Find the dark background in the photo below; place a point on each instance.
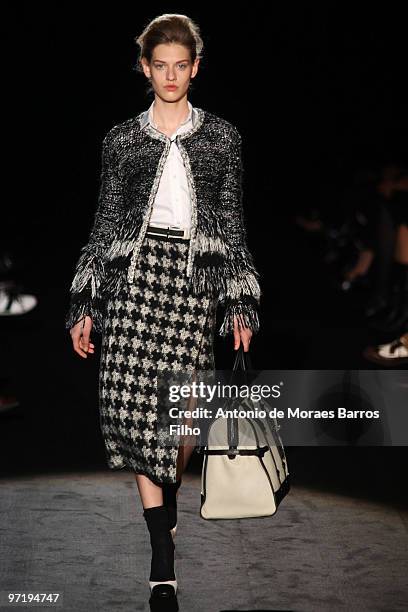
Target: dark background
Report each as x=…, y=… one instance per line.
x=316, y=90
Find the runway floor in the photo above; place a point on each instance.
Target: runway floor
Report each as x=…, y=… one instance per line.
x=83, y=536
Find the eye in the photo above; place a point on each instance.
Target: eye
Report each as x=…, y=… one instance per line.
x=160, y=66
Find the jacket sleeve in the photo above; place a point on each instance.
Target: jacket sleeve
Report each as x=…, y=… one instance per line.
x=242, y=295
x=85, y=290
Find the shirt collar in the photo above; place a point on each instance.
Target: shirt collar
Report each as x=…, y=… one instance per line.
x=147, y=116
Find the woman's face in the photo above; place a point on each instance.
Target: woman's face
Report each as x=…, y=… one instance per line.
x=171, y=65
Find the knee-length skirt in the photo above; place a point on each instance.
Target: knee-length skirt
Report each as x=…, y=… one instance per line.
x=152, y=324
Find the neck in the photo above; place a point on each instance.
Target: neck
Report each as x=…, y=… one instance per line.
x=169, y=115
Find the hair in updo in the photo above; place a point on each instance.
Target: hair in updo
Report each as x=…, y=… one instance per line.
x=165, y=29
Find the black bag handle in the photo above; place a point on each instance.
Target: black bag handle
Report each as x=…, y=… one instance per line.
x=242, y=362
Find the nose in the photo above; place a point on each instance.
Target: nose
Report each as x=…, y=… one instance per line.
x=170, y=75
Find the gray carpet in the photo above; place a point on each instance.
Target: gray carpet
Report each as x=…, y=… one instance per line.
x=84, y=536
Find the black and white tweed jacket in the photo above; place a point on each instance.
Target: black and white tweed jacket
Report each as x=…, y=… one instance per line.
x=133, y=158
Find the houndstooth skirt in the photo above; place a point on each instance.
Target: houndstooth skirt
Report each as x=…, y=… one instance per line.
x=152, y=324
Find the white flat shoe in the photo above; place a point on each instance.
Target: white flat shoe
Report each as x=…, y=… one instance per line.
x=163, y=596
x=173, y=583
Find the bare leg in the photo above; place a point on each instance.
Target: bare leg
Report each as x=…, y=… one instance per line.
x=185, y=452
x=187, y=443
x=150, y=493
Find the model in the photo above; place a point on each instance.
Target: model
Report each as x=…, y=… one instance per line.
x=167, y=245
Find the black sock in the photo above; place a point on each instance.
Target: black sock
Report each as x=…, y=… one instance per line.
x=170, y=500
x=162, y=564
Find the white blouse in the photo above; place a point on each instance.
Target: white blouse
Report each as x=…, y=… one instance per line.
x=172, y=205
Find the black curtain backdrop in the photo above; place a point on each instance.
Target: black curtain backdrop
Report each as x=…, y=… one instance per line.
x=314, y=90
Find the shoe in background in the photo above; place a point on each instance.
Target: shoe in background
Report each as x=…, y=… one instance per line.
x=390, y=355
x=13, y=301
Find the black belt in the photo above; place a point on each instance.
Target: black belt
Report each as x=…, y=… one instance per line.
x=166, y=232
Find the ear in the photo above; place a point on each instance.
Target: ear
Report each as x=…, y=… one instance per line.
x=195, y=68
x=146, y=67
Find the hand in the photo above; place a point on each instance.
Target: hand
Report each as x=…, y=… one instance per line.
x=241, y=332
x=80, y=334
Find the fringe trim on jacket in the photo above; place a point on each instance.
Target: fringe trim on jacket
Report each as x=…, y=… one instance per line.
x=219, y=261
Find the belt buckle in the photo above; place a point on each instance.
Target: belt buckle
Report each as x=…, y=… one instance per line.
x=167, y=234
x=184, y=230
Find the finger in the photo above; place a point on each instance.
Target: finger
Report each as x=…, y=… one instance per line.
x=244, y=340
x=84, y=351
x=81, y=353
x=90, y=348
x=247, y=339
x=237, y=339
x=76, y=344
x=85, y=339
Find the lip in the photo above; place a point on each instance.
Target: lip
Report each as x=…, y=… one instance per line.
x=170, y=87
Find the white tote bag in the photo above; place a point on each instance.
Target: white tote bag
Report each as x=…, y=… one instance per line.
x=244, y=472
